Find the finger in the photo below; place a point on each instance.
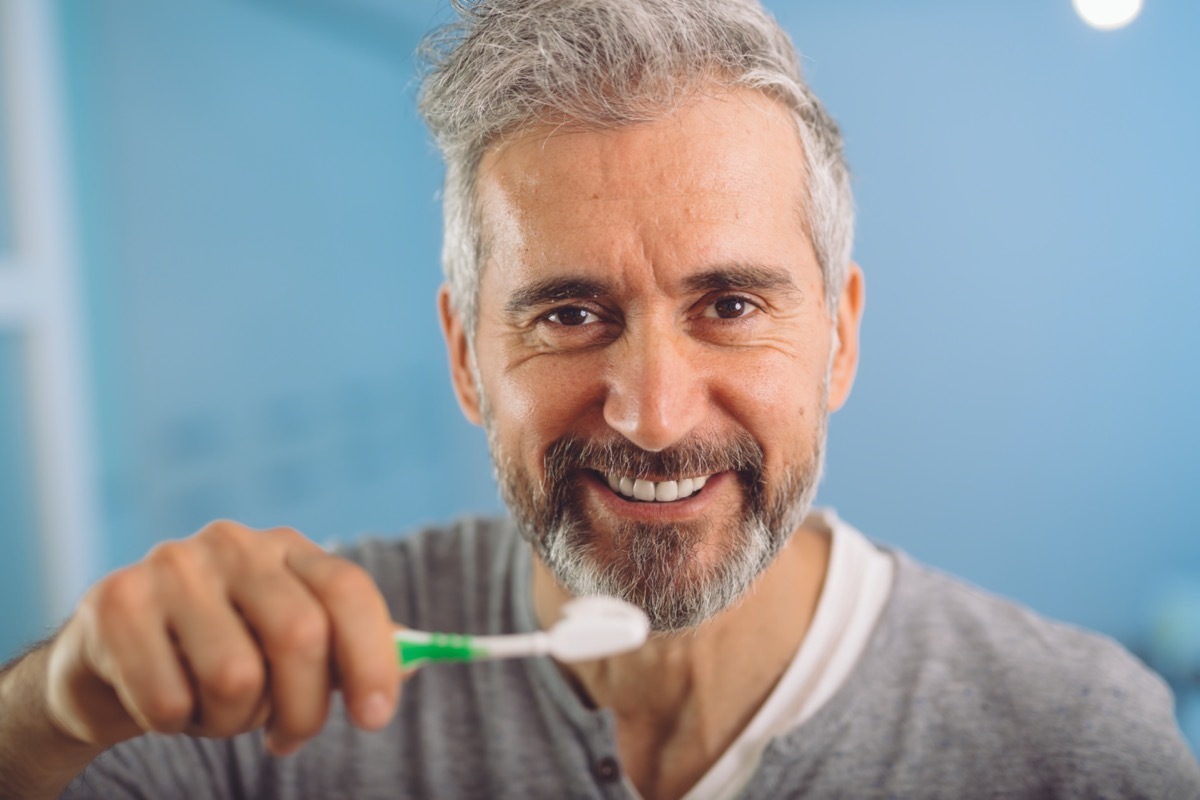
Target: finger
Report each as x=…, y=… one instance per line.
x=293, y=630
x=364, y=654
x=220, y=653
x=128, y=643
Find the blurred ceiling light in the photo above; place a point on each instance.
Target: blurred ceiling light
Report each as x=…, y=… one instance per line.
x=1107, y=15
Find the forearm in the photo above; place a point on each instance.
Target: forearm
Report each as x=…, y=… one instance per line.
x=37, y=760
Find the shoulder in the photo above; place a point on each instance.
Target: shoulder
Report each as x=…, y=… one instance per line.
x=969, y=628
x=1066, y=703
x=446, y=577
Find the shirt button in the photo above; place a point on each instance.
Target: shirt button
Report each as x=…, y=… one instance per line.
x=607, y=769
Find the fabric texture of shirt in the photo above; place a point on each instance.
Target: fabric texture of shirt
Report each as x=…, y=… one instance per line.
x=958, y=694
x=858, y=582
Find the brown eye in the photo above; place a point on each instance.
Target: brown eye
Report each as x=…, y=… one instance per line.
x=729, y=308
x=572, y=316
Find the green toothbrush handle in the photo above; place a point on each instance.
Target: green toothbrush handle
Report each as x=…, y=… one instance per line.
x=416, y=647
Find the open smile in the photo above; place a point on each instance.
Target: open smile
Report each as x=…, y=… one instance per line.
x=646, y=491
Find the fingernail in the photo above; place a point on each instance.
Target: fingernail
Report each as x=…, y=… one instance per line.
x=376, y=711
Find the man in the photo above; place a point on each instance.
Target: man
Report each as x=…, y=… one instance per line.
x=651, y=309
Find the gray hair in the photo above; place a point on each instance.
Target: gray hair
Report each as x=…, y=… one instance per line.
x=509, y=65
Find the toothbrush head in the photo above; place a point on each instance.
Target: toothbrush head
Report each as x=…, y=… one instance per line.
x=596, y=627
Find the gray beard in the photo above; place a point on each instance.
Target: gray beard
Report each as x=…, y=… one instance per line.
x=656, y=570
x=655, y=574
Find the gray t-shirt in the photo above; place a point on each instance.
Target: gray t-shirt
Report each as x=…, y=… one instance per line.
x=959, y=694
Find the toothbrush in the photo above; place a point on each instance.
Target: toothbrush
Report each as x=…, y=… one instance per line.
x=591, y=627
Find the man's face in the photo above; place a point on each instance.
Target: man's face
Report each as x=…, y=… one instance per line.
x=652, y=314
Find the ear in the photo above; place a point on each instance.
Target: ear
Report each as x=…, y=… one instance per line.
x=849, y=316
x=459, y=352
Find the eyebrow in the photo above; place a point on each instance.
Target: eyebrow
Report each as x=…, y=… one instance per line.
x=553, y=290
x=744, y=278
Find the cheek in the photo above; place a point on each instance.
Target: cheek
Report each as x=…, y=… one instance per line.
x=776, y=398
x=768, y=404
x=771, y=392
x=514, y=403
x=542, y=399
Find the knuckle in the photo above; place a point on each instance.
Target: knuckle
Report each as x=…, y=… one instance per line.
x=122, y=593
x=234, y=547
x=290, y=540
x=286, y=533
x=222, y=527
x=235, y=680
x=174, y=556
x=347, y=582
x=306, y=635
x=223, y=534
x=182, y=569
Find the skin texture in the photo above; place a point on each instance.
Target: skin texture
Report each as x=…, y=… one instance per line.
x=634, y=344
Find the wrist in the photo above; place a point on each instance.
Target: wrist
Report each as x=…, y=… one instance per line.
x=38, y=757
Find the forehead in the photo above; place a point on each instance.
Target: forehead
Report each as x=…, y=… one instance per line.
x=720, y=180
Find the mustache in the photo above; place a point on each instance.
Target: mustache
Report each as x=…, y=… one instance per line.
x=738, y=453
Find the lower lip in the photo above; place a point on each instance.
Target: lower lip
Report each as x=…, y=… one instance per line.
x=690, y=507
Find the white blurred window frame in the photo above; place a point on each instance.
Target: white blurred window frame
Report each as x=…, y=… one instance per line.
x=41, y=301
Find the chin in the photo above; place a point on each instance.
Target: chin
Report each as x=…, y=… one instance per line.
x=681, y=575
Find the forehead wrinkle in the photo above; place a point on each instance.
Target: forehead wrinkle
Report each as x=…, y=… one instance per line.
x=534, y=196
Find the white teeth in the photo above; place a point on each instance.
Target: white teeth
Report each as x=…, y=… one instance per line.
x=666, y=491
x=643, y=490
x=660, y=492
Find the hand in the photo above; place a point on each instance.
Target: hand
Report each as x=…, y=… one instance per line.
x=220, y=634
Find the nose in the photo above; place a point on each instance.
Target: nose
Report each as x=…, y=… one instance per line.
x=655, y=387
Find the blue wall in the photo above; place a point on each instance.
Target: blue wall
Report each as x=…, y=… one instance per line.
x=261, y=241
x=6, y=242
x=260, y=238
x=1028, y=190
x=23, y=615
x=23, y=598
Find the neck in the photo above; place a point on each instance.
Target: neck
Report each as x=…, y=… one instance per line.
x=695, y=691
